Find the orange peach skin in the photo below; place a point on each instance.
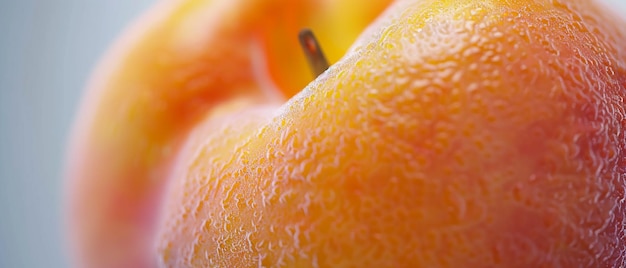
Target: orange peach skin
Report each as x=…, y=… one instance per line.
x=178, y=63
x=454, y=134
x=459, y=134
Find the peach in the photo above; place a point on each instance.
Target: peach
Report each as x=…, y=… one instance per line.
x=450, y=134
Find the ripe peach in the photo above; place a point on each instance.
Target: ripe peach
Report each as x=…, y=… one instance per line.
x=451, y=134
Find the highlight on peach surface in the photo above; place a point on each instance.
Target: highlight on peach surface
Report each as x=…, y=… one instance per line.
x=446, y=134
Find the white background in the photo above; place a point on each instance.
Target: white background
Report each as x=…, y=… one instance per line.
x=47, y=50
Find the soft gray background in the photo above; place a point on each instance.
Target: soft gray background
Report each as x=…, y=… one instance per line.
x=47, y=49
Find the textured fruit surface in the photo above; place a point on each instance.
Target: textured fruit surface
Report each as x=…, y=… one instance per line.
x=454, y=134
x=182, y=60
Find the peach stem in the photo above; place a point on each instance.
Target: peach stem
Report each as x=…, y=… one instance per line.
x=313, y=51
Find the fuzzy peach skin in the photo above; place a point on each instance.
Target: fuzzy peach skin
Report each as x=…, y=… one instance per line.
x=460, y=134
x=452, y=134
x=179, y=62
